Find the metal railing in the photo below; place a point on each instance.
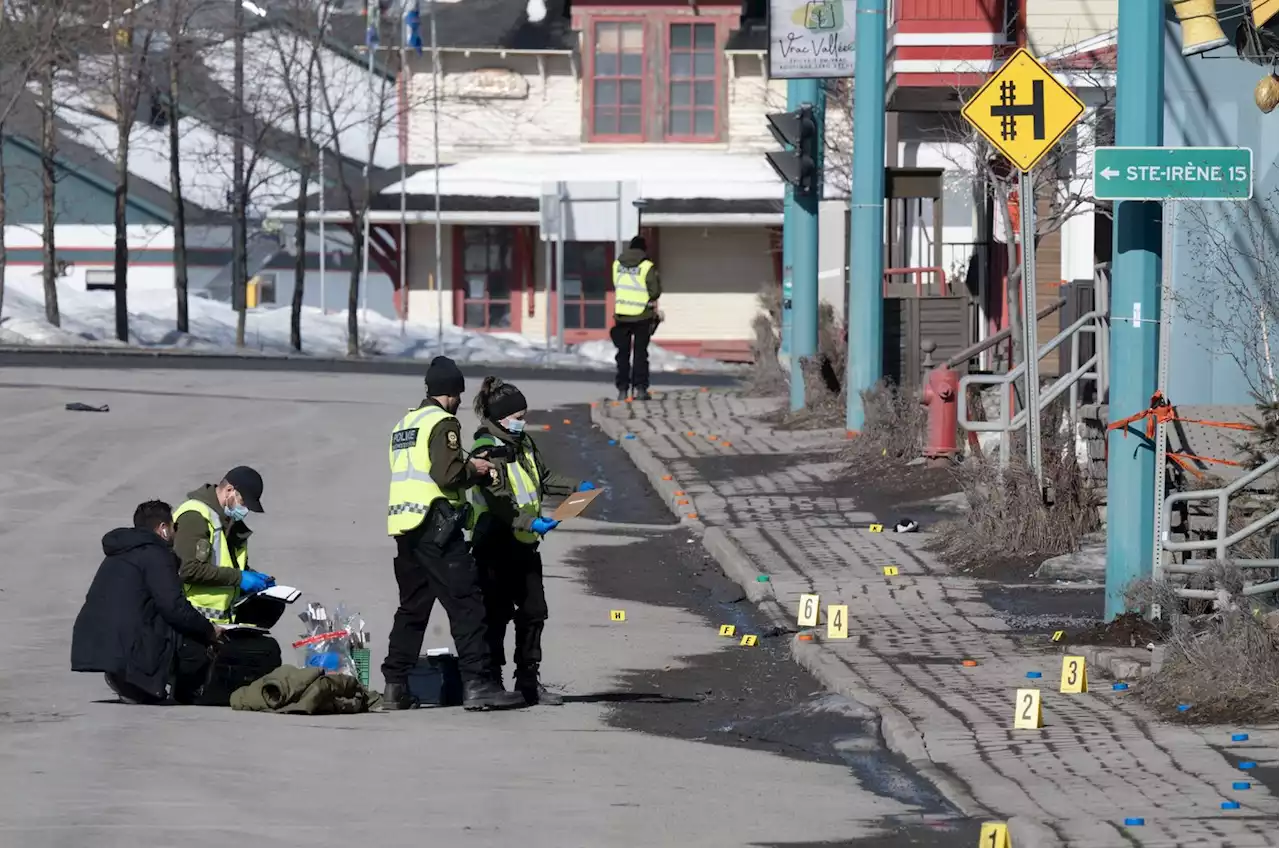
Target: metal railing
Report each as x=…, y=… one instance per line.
x=1094, y=368
x=916, y=276
x=1222, y=540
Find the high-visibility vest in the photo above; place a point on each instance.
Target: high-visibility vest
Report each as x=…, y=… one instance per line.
x=214, y=602
x=525, y=485
x=630, y=294
x=412, y=488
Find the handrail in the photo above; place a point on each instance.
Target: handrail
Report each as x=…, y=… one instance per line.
x=917, y=272
x=991, y=341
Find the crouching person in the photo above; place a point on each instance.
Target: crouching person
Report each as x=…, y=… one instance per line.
x=508, y=525
x=135, y=613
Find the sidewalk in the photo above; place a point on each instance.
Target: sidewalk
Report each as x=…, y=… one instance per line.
x=758, y=496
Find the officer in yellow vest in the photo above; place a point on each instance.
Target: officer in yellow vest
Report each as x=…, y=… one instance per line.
x=212, y=543
x=636, y=289
x=427, y=512
x=508, y=526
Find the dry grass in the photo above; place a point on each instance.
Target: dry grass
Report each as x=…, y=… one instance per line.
x=824, y=375
x=895, y=425
x=1007, y=516
x=1223, y=663
x=766, y=377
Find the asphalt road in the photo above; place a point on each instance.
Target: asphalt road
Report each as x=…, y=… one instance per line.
x=673, y=735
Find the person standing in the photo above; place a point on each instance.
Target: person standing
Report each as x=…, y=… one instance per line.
x=427, y=512
x=636, y=289
x=212, y=543
x=508, y=525
x=135, y=614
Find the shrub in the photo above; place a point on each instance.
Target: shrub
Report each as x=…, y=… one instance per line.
x=895, y=424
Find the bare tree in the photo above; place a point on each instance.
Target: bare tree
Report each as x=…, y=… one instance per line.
x=180, y=54
x=48, y=174
x=239, y=229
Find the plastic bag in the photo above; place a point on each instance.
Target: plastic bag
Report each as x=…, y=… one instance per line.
x=330, y=637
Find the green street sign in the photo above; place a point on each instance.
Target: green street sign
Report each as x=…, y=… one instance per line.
x=1173, y=173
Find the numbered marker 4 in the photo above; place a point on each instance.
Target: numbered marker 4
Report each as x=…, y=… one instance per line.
x=617, y=615
x=1075, y=679
x=837, y=621
x=808, y=616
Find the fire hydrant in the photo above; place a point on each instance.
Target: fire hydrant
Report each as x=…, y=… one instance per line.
x=941, y=388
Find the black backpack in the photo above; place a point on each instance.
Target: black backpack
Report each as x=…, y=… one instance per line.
x=208, y=677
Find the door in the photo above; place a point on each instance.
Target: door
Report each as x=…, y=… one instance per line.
x=486, y=280
x=588, y=290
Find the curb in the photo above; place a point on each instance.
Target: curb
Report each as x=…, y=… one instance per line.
x=1116, y=665
x=900, y=735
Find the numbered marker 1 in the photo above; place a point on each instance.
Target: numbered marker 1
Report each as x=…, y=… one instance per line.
x=994, y=835
x=1026, y=710
x=877, y=528
x=1075, y=679
x=727, y=629
x=837, y=621
x=748, y=641
x=891, y=571
x=617, y=615
x=808, y=611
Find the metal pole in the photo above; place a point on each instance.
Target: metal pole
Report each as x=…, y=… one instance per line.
x=788, y=237
x=364, y=272
x=804, y=258
x=560, y=237
x=435, y=158
x=324, y=303
x=1162, y=385
x=404, y=175
x=1135, y=315
x=866, y=213
x=1030, y=334
x=547, y=272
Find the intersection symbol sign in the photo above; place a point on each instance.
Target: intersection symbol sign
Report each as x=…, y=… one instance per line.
x=1023, y=110
x=1173, y=173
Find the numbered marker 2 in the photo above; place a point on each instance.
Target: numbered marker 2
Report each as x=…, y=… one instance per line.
x=837, y=621
x=1026, y=710
x=617, y=615
x=994, y=835
x=808, y=611
x=1075, y=678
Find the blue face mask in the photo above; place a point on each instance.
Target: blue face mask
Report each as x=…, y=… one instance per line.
x=237, y=513
x=515, y=426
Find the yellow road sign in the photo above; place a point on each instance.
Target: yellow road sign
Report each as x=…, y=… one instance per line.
x=1023, y=110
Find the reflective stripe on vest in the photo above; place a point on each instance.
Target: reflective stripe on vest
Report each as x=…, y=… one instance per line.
x=213, y=602
x=413, y=490
x=526, y=487
x=630, y=294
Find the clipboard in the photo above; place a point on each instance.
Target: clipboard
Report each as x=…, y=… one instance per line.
x=575, y=504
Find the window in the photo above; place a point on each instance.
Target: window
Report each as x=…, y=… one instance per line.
x=617, y=81
x=691, y=81
x=588, y=281
x=266, y=289
x=487, y=273
x=99, y=279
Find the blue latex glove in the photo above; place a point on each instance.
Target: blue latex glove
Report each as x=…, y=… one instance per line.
x=543, y=526
x=252, y=581
x=586, y=486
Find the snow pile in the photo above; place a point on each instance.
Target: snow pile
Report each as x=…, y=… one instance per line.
x=88, y=318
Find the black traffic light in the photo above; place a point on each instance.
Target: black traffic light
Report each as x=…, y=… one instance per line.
x=797, y=165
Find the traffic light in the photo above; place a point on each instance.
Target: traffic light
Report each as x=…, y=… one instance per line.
x=797, y=165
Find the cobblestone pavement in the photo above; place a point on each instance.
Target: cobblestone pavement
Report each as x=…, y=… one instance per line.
x=1100, y=757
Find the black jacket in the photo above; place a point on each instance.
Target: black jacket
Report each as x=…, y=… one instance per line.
x=134, y=612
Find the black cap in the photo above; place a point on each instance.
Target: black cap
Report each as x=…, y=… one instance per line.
x=249, y=484
x=444, y=378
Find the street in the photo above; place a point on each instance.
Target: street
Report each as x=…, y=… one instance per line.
x=672, y=734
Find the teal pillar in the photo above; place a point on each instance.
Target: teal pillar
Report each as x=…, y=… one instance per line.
x=788, y=269
x=1135, y=306
x=866, y=212
x=804, y=256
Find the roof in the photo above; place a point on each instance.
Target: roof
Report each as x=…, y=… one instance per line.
x=660, y=174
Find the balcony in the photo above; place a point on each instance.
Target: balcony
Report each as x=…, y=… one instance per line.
x=948, y=44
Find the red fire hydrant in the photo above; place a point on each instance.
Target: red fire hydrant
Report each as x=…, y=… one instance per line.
x=941, y=388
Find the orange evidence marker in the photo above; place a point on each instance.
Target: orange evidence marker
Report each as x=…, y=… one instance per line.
x=567, y=421
x=613, y=403
x=677, y=492
x=690, y=433
x=594, y=404
x=668, y=477
x=703, y=389
x=805, y=637
x=682, y=502
x=692, y=515
x=968, y=663
x=713, y=438
x=546, y=426
x=727, y=444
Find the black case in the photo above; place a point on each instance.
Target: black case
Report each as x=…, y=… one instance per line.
x=245, y=656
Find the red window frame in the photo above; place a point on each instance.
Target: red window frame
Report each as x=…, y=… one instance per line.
x=581, y=302
x=510, y=238
x=715, y=78
x=593, y=77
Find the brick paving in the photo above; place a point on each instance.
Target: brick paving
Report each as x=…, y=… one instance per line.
x=1099, y=759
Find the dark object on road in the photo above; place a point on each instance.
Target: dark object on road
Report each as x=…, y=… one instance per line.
x=1130, y=630
x=308, y=691
x=84, y=407
x=435, y=682
x=906, y=525
x=246, y=655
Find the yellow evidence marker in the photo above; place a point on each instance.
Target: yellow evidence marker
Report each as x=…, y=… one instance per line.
x=808, y=611
x=837, y=621
x=617, y=615
x=891, y=571
x=877, y=528
x=994, y=835
x=727, y=629
x=748, y=641
x=1075, y=679
x=1057, y=635
x=1026, y=710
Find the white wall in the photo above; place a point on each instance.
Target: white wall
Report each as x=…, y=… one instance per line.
x=710, y=278
x=1054, y=24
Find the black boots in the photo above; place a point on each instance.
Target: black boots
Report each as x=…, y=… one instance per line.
x=397, y=697
x=623, y=394
x=489, y=695
x=533, y=691
x=643, y=394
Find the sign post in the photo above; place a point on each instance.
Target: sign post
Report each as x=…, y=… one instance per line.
x=1173, y=173
x=1024, y=111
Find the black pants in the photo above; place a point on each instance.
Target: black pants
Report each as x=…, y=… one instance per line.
x=129, y=693
x=426, y=573
x=511, y=572
x=633, y=370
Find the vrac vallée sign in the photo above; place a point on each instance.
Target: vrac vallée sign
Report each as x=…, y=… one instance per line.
x=1173, y=173
x=811, y=39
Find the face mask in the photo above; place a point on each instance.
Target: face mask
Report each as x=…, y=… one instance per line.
x=515, y=426
x=237, y=513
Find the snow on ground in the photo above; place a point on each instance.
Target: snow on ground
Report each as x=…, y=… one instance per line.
x=88, y=318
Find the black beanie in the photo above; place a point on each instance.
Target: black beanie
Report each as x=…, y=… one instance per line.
x=444, y=378
x=508, y=403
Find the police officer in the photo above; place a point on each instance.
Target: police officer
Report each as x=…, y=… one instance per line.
x=426, y=513
x=636, y=289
